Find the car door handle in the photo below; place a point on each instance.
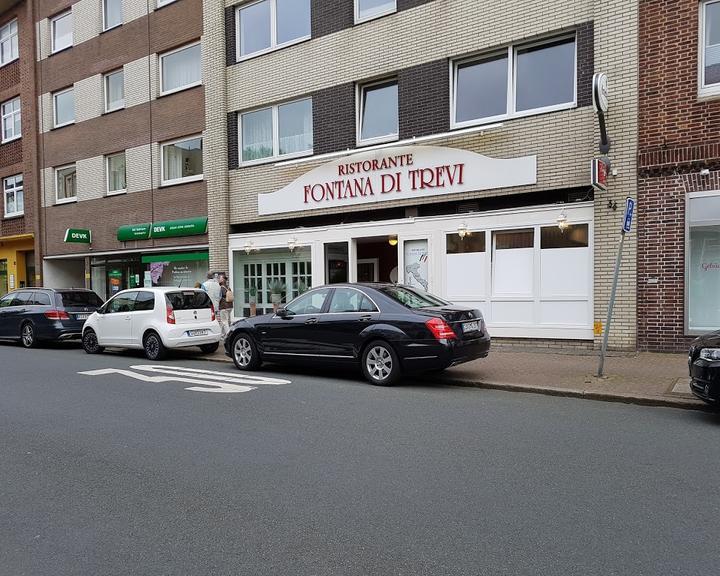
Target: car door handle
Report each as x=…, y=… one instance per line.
x=365, y=318
x=311, y=321
x=127, y=317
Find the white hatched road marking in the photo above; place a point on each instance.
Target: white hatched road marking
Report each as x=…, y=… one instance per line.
x=202, y=380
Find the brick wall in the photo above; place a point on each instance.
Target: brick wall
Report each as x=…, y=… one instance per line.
x=334, y=118
x=678, y=136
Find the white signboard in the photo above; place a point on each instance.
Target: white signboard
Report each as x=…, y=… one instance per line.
x=400, y=173
x=416, y=264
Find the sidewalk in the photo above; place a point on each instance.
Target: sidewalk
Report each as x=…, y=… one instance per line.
x=642, y=378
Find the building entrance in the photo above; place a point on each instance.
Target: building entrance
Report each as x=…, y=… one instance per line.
x=377, y=259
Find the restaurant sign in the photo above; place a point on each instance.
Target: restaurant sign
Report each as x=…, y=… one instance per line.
x=400, y=173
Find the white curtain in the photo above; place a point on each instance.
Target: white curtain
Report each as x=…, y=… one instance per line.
x=181, y=68
x=295, y=127
x=257, y=138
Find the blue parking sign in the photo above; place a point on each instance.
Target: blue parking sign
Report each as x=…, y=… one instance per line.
x=629, y=211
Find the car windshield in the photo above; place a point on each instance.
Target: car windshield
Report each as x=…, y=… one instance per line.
x=78, y=298
x=412, y=298
x=188, y=300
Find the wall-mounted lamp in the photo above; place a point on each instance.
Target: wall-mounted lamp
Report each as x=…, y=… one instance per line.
x=293, y=243
x=463, y=231
x=562, y=221
x=393, y=240
x=250, y=247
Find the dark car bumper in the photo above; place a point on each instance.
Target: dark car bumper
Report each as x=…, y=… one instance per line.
x=705, y=380
x=60, y=331
x=438, y=355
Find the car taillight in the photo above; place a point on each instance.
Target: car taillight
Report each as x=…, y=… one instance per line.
x=212, y=312
x=57, y=315
x=169, y=314
x=440, y=329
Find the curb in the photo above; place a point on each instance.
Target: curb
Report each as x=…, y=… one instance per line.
x=661, y=401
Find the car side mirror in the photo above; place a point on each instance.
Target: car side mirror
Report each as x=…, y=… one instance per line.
x=283, y=313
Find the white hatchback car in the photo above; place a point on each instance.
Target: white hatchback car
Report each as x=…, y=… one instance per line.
x=153, y=319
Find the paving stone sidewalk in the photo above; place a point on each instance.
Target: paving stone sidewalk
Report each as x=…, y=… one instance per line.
x=642, y=378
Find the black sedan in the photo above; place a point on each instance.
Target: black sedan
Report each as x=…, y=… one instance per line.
x=704, y=363
x=387, y=328
x=31, y=315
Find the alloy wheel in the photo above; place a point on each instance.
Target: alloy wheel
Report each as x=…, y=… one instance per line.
x=152, y=346
x=28, y=335
x=90, y=341
x=379, y=363
x=243, y=352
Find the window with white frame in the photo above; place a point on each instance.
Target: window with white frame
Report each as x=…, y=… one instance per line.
x=116, y=173
x=182, y=160
x=11, y=125
x=65, y=184
x=516, y=81
x=8, y=42
x=64, y=107
x=112, y=14
x=269, y=24
x=61, y=31
x=114, y=90
x=702, y=261
x=710, y=47
x=282, y=130
x=13, y=196
x=378, y=112
x=369, y=9
x=161, y=3
x=180, y=69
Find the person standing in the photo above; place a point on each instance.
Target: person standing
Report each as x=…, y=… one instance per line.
x=212, y=287
x=226, y=306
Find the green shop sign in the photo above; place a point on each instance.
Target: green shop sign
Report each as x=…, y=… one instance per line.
x=169, y=229
x=78, y=236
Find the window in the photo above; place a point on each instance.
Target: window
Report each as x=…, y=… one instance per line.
x=11, y=120
x=576, y=236
x=40, y=299
x=62, y=31
x=112, y=14
x=378, y=113
x=702, y=261
x=65, y=184
x=369, y=9
x=116, y=182
x=121, y=304
x=349, y=300
x=161, y=3
x=114, y=91
x=64, y=107
x=8, y=43
x=471, y=243
x=180, y=69
x=309, y=303
x=283, y=130
x=515, y=82
x=271, y=24
x=710, y=49
x=182, y=161
x=13, y=196
x=145, y=302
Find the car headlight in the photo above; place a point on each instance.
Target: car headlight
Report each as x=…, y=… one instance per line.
x=712, y=354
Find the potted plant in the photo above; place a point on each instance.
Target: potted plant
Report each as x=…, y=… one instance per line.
x=252, y=293
x=276, y=290
x=302, y=287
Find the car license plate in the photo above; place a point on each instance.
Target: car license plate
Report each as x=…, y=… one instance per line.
x=471, y=327
x=82, y=316
x=198, y=332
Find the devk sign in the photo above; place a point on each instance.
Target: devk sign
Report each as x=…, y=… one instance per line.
x=397, y=174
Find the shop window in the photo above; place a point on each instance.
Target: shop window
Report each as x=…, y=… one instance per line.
x=710, y=47
x=13, y=196
x=573, y=237
x=180, y=69
x=514, y=239
x=523, y=80
x=369, y=9
x=271, y=24
x=285, y=130
x=9, y=43
x=112, y=14
x=336, y=262
x=62, y=31
x=703, y=263
x=182, y=161
x=470, y=242
x=66, y=184
x=11, y=124
x=64, y=107
x=114, y=90
x=116, y=177
x=378, y=112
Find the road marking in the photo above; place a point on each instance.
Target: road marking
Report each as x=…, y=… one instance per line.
x=201, y=380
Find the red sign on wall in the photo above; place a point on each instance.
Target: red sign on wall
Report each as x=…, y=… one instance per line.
x=599, y=174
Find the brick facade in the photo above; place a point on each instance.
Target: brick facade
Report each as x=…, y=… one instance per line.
x=678, y=136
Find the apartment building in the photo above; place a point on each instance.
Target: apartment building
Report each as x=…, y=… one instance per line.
x=442, y=144
x=679, y=173
x=121, y=108
x=19, y=258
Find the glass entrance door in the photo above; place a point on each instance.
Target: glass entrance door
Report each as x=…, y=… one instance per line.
x=3, y=278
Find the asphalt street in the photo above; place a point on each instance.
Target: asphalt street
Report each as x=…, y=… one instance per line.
x=132, y=473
